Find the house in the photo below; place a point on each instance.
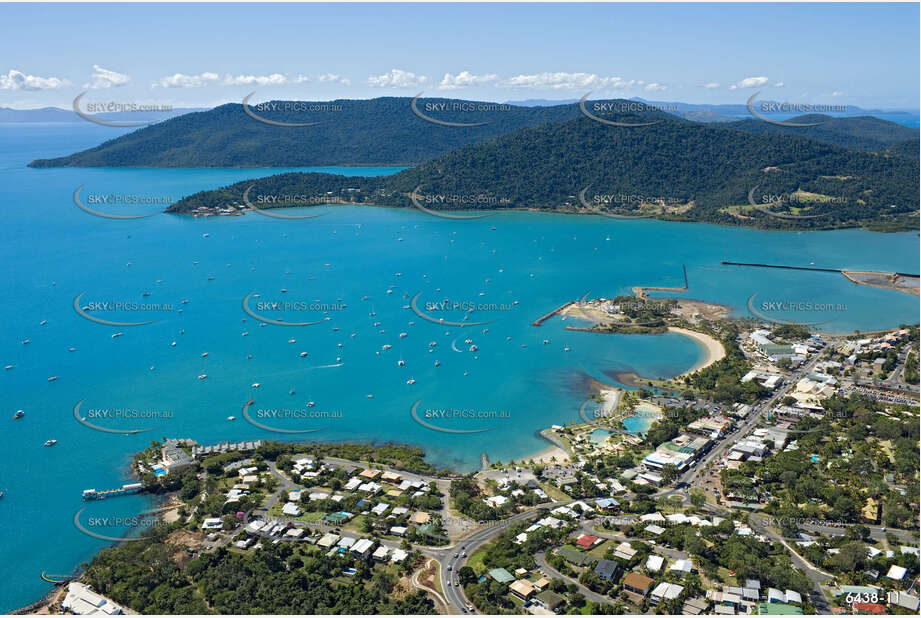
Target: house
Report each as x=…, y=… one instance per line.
x=654, y=529
x=382, y=553
x=390, y=477
x=624, y=551
x=654, y=563
x=496, y=501
x=346, y=542
x=541, y=584
x=501, y=575
x=896, y=572
x=398, y=530
x=370, y=473
x=550, y=600
x=522, y=588
x=420, y=517
x=291, y=509
x=576, y=557
x=362, y=548
x=212, y=523
x=665, y=591
x=637, y=583
x=587, y=541
x=903, y=599
x=398, y=555
x=380, y=509
x=81, y=600
x=328, y=540
x=682, y=567
x=695, y=607
x=607, y=569
x=607, y=505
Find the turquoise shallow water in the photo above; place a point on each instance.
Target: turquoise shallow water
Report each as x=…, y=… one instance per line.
x=518, y=266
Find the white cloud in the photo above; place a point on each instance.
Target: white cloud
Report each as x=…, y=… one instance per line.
x=654, y=87
x=837, y=93
x=275, y=79
x=180, y=80
x=104, y=78
x=779, y=85
x=397, y=78
x=712, y=85
x=749, y=82
x=465, y=79
x=567, y=81
x=17, y=80
x=332, y=78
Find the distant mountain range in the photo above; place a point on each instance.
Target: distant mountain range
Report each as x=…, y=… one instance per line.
x=388, y=131
x=673, y=169
x=56, y=114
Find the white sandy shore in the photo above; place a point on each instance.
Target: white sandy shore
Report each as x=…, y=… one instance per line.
x=555, y=453
x=714, y=348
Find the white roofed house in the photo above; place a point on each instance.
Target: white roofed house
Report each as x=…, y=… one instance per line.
x=291, y=509
x=362, y=548
x=654, y=563
x=82, y=601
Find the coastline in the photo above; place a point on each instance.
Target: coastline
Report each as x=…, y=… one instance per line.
x=714, y=348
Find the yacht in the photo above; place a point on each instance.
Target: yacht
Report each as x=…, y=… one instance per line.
x=231, y=418
x=204, y=354
x=8, y=367
x=19, y=414
x=256, y=384
x=50, y=442
x=411, y=381
x=52, y=378
x=303, y=354
x=203, y=376
x=401, y=363
x=438, y=363
x=310, y=404
x=118, y=334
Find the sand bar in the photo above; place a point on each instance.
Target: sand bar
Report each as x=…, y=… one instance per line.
x=714, y=348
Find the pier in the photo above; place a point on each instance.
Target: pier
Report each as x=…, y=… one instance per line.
x=813, y=268
x=124, y=490
x=544, y=318
x=642, y=291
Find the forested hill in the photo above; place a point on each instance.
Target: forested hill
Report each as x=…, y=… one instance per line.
x=856, y=132
x=385, y=131
x=673, y=170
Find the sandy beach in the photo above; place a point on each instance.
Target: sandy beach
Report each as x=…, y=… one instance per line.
x=714, y=348
x=554, y=453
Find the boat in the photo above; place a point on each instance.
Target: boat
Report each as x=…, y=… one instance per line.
x=411, y=381
x=52, y=378
x=173, y=344
x=145, y=294
x=118, y=334
x=8, y=367
x=204, y=354
x=291, y=341
x=291, y=392
x=26, y=341
x=50, y=442
x=370, y=396
x=401, y=363
x=255, y=384
x=402, y=335
x=546, y=341
x=338, y=359
x=438, y=363
x=303, y=354
x=43, y=322
x=245, y=333
x=473, y=348
x=310, y=404
x=231, y=418
x=203, y=376
x=71, y=349
x=386, y=346
x=19, y=414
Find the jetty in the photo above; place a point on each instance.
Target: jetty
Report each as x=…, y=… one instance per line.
x=815, y=269
x=643, y=290
x=124, y=490
x=546, y=317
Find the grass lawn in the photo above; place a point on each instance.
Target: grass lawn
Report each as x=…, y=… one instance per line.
x=475, y=561
x=554, y=492
x=599, y=550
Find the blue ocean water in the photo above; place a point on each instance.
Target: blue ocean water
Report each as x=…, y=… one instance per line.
x=360, y=267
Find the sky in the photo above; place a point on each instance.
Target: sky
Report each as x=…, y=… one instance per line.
x=201, y=55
